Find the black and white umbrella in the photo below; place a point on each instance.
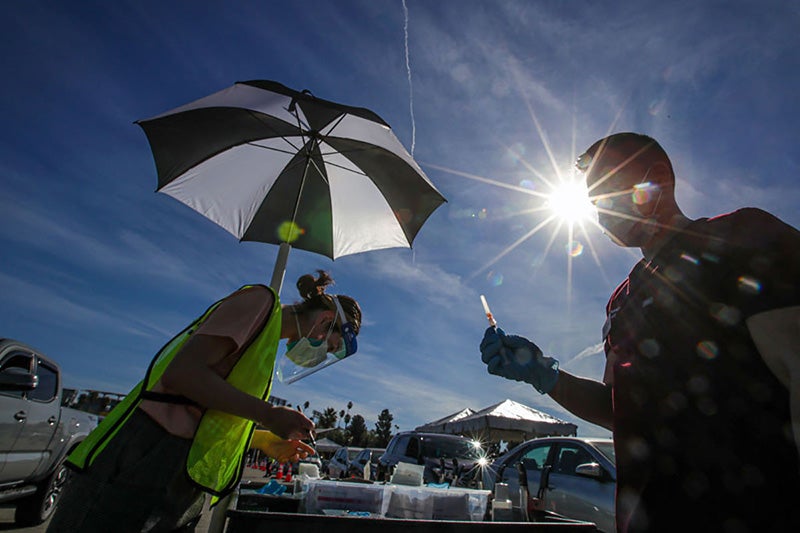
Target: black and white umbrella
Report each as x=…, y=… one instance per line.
x=275, y=165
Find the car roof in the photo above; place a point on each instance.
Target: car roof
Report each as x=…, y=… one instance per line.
x=436, y=435
x=591, y=441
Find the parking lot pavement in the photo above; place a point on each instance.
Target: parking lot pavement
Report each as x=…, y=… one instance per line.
x=7, y=511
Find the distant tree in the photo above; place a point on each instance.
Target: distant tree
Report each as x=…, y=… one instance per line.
x=338, y=435
x=359, y=435
x=383, y=429
x=327, y=418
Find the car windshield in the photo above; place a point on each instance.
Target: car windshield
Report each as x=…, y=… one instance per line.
x=607, y=449
x=450, y=449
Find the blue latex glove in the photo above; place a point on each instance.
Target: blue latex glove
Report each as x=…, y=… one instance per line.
x=517, y=358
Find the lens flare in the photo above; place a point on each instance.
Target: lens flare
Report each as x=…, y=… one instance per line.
x=749, y=285
x=404, y=215
x=707, y=349
x=289, y=231
x=574, y=248
x=644, y=192
x=495, y=278
x=689, y=258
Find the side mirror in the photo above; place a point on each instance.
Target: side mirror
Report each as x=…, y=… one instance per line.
x=593, y=470
x=17, y=379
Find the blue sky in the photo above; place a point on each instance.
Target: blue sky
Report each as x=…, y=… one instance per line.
x=98, y=270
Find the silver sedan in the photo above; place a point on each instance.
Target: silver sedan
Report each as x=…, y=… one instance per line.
x=572, y=476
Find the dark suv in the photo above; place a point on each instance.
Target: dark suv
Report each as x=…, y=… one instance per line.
x=447, y=458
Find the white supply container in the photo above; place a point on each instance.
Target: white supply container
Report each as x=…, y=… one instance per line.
x=408, y=474
x=322, y=495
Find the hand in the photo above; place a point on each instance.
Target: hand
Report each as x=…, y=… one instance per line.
x=282, y=450
x=286, y=423
x=517, y=358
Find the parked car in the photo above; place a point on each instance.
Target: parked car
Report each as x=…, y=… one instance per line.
x=575, y=477
x=36, y=432
x=365, y=464
x=447, y=458
x=340, y=462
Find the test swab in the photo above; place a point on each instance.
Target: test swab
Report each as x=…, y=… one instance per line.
x=488, y=312
x=493, y=324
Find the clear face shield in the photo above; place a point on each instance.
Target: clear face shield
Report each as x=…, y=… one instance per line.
x=307, y=356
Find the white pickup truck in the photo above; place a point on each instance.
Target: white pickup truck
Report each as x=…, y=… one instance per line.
x=36, y=432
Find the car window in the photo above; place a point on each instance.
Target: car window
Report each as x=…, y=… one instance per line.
x=569, y=457
x=21, y=361
x=47, y=388
x=449, y=449
x=412, y=450
x=352, y=454
x=399, y=445
x=607, y=449
x=536, y=457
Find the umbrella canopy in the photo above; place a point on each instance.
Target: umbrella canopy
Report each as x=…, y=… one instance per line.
x=275, y=165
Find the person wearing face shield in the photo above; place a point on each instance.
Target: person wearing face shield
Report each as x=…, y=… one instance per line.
x=183, y=430
x=702, y=339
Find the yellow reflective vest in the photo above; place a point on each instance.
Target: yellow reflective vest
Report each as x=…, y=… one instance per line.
x=215, y=459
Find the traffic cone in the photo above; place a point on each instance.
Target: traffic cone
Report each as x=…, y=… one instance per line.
x=279, y=475
x=288, y=477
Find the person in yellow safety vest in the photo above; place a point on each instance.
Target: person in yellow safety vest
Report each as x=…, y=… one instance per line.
x=183, y=430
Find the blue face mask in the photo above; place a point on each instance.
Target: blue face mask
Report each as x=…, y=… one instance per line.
x=306, y=352
x=306, y=356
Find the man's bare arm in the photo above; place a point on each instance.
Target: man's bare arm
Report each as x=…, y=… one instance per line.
x=586, y=398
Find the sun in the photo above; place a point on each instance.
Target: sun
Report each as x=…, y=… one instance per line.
x=569, y=202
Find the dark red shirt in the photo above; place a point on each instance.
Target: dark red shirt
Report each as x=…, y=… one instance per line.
x=701, y=426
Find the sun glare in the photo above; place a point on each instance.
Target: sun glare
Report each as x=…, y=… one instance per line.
x=569, y=202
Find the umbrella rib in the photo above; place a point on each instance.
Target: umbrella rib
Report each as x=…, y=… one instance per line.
x=338, y=121
x=300, y=127
x=289, y=152
x=331, y=164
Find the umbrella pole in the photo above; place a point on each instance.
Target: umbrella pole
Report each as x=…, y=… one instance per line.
x=280, y=267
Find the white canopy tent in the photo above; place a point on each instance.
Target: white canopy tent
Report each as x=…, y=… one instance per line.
x=438, y=426
x=508, y=421
x=325, y=445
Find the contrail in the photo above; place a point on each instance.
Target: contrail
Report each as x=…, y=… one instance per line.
x=596, y=349
x=410, y=87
